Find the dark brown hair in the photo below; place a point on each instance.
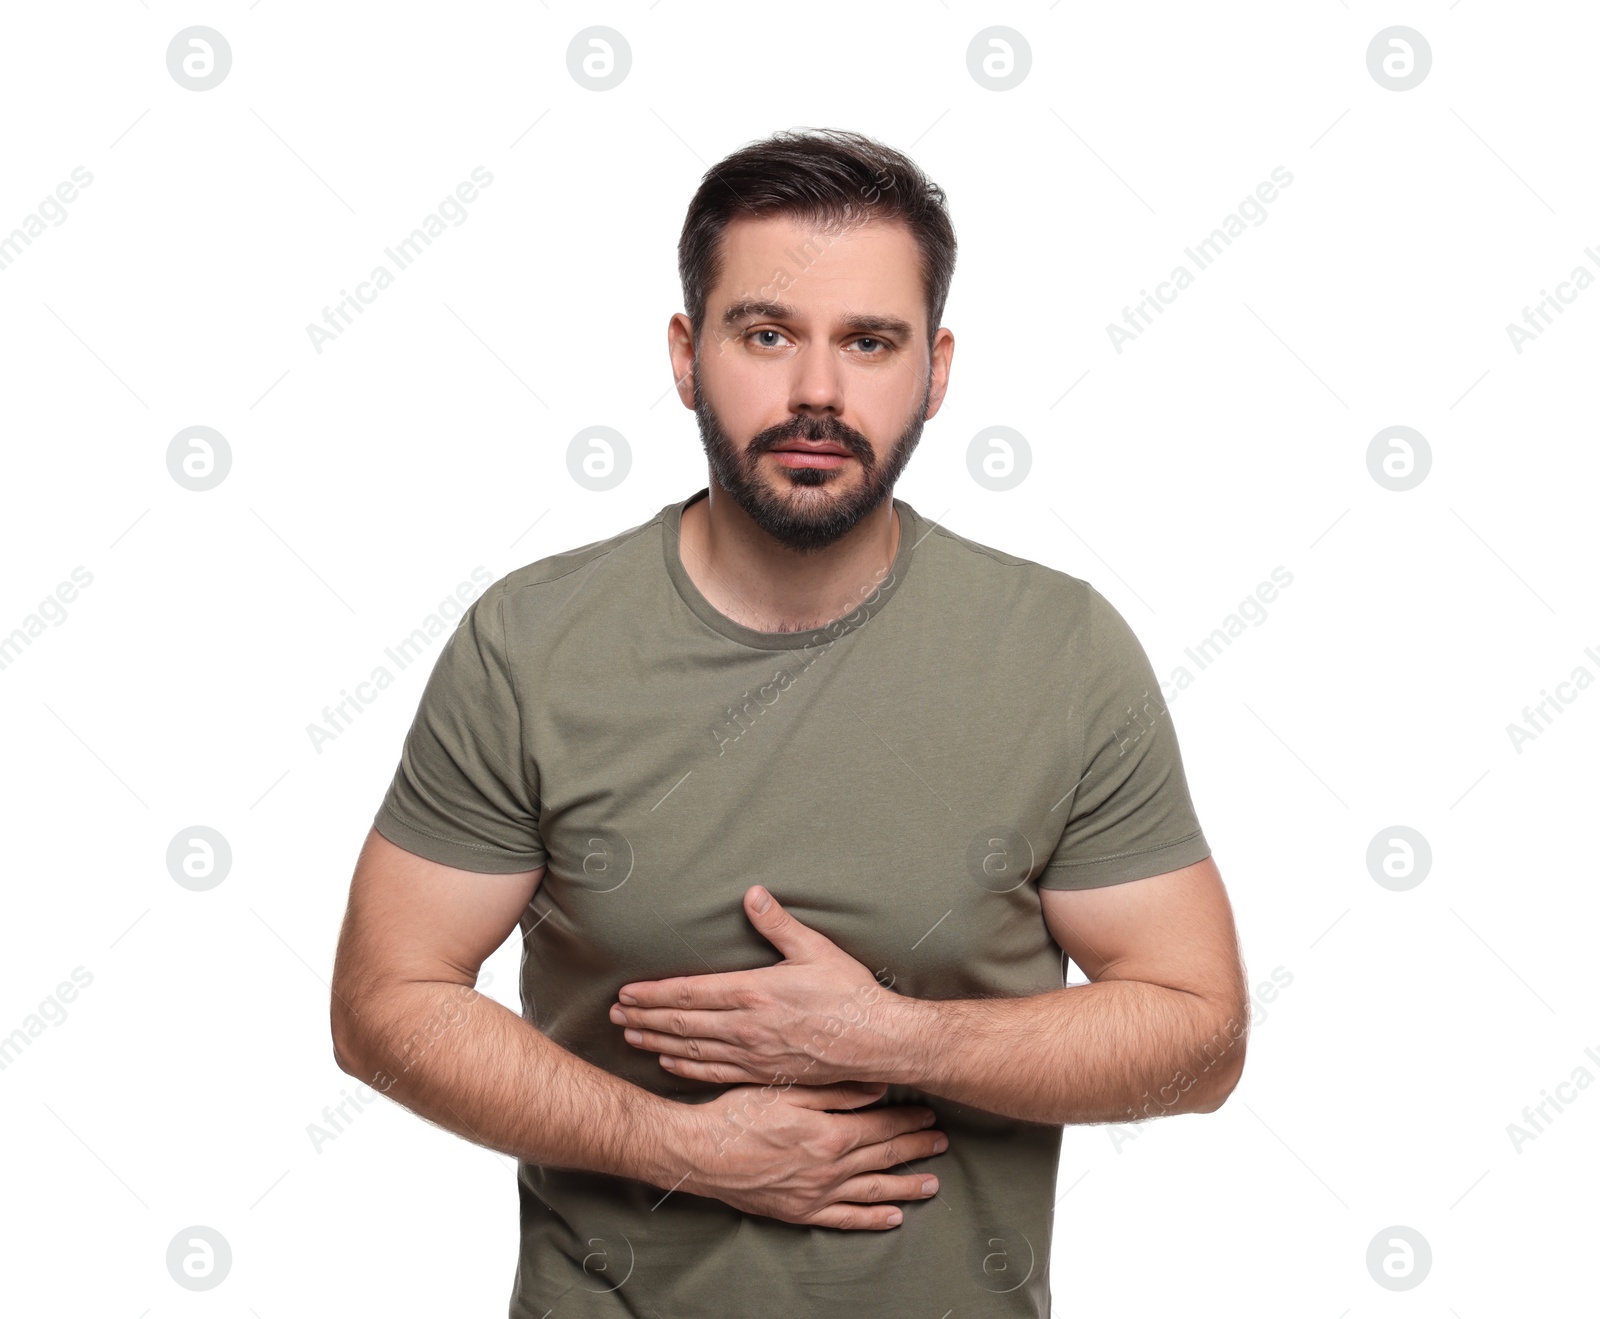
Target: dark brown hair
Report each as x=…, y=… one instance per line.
x=826, y=176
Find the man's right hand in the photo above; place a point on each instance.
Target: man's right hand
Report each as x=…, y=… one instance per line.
x=779, y=1153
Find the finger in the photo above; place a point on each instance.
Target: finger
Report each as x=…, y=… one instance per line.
x=896, y=1154
x=875, y=1187
x=738, y=1073
x=682, y=1022
x=857, y=1217
x=722, y=1073
x=784, y=932
x=886, y=1123
x=843, y=1094
x=675, y=1046
x=717, y=990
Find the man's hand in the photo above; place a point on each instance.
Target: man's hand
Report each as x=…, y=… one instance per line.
x=816, y=1018
x=782, y=1152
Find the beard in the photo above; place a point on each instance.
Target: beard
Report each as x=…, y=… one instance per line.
x=798, y=522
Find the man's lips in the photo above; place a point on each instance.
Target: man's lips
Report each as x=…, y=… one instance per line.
x=798, y=453
x=811, y=446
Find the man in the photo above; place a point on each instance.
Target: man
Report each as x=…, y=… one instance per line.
x=791, y=718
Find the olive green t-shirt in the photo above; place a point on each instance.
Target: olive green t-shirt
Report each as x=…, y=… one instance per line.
x=905, y=780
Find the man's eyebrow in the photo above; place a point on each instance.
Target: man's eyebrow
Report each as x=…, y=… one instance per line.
x=862, y=322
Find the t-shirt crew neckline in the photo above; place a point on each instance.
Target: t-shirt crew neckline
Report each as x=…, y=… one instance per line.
x=874, y=595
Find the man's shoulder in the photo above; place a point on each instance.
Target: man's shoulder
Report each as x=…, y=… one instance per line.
x=991, y=571
x=630, y=549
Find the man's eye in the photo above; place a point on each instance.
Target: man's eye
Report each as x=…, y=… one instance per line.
x=869, y=339
x=774, y=333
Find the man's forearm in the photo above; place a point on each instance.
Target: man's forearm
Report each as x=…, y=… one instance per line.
x=473, y=1066
x=1112, y=1051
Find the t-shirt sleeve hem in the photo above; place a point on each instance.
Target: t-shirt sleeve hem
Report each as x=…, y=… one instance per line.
x=1126, y=866
x=449, y=852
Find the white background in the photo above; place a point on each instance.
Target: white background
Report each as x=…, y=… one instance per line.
x=367, y=480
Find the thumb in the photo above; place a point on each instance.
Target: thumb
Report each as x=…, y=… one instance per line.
x=778, y=927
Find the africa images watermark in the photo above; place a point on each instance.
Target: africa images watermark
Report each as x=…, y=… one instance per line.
x=52, y=610
x=1142, y=717
x=50, y=1012
x=1538, y=318
x=1566, y=1092
x=425, y=1036
x=1212, y=1052
x=52, y=209
x=1538, y=717
x=339, y=716
x=1252, y=610
x=1204, y=254
x=739, y=719
x=336, y=1119
x=453, y=209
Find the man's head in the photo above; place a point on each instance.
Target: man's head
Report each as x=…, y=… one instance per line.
x=815, y=268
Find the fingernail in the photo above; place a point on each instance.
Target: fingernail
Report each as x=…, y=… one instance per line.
x=940, y=1144
x=929, y=1185
x=632, y=1036
x=618, y=1015
x=628, y=999
x=930, y=1119
x=763, y=900
x=894, y=1217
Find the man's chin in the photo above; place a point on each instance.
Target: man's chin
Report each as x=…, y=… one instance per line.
x=778, y=475
x=804, y=517
x=801, y=487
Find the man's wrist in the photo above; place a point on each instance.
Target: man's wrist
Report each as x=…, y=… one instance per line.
x=909, y=1032
x=659, y=1141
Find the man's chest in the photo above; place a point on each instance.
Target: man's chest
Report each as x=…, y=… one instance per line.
x=901, y=809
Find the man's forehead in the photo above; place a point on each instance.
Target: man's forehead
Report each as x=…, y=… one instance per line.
x=762, y=239
x=784, y=268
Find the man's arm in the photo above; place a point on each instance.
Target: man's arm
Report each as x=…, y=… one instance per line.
x=1161, y=1028
x=407, y=1020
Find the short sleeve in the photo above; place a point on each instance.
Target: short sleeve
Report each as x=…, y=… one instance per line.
x=466, y=791
x=1129, y=814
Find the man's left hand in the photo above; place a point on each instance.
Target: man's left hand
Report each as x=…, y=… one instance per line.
x=815, y=1018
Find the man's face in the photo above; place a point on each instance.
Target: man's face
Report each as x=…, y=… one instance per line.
x=812, y=379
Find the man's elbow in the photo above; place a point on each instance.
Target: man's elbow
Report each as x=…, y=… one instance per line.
x=341, y=1056
x=1225, y=1069
x=342, y=1035
x=1216, y=1094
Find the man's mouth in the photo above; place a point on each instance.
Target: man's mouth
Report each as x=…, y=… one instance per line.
x=811, y=453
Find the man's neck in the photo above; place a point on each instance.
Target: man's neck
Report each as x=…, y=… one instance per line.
x=762, y=584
